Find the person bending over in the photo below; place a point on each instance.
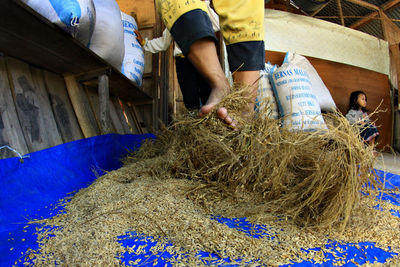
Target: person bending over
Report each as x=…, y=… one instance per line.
x=194, y=87
x=242, y=27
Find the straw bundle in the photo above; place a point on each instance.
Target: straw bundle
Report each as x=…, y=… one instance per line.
x=312, y=178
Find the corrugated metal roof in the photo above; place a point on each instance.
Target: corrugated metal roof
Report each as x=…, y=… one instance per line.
x=355, y=13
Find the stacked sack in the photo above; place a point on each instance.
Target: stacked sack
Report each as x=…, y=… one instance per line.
x=133, y=63
x=319, y=89
x=298, y=105
x=296, y=91
x=77, y=17
x=265, y=101
x=108, y=36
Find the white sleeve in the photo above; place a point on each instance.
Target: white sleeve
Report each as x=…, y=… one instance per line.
x=158, y=44
x=213, y=17
x=352, y=117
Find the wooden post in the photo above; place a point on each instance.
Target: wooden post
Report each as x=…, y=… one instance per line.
x=104, y=101
x=81, y=106
x=391, y=34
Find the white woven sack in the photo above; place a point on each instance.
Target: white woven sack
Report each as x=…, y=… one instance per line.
x=77, y=17
x=322, y=93
x=108, y=36
x=298, y=106
x=133, y=63
x=265, y=101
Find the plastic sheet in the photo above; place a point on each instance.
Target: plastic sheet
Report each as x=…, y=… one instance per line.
x=30, y=190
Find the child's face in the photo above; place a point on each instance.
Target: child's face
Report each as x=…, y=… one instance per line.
x=362, y=100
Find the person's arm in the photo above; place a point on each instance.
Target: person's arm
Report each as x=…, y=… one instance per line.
x=157, y=44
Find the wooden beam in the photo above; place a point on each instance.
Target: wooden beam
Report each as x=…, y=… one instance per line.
x=363, y=21
x=353, y=17
x=385, y=7
x=92, y=75
x=288, y=6
x=390, y=4
x=364, y=4
x=281, y=7
x=319, y=9
x=339, y=4
x=390, y=30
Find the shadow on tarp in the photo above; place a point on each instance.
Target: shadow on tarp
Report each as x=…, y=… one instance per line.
x=32, y=189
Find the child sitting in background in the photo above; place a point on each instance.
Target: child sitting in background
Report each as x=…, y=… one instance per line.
x=357, y=114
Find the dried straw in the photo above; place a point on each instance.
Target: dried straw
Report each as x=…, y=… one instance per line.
x=312, y=178
x=305, y=187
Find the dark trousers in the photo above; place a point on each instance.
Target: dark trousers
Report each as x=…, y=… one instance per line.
x=195, y=89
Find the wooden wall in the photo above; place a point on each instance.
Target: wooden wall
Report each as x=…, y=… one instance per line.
x=342, y=79
x=144, y=10
x=38, y=112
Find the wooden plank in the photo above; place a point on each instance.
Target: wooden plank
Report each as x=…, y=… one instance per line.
x=375, y=85
x=144, y=10
x=148, y=85
x=138, y=119
x=122, y=118
x=115, y=123
x=104, y=108
x=133, y=124
x=10, y=129
x=137, y=113
x=80, y=103
x=65, y=117
x=364, y=4
x=93, y=99
x=33, y=106
x=115, y=120
x=45, y=106
x=148, y=66
x=147, y=117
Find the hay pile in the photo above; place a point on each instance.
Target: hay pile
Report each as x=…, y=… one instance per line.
x=305, y=187
x=312, y=178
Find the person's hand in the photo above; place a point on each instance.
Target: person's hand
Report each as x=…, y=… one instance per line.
x=138, y=37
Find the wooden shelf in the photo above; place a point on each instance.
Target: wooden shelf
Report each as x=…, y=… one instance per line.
x=26, y=35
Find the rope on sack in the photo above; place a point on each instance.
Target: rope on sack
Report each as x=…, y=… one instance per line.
x=21, y=158
x=74, y=21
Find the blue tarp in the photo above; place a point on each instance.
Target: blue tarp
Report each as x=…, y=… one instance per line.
x=30, y=190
